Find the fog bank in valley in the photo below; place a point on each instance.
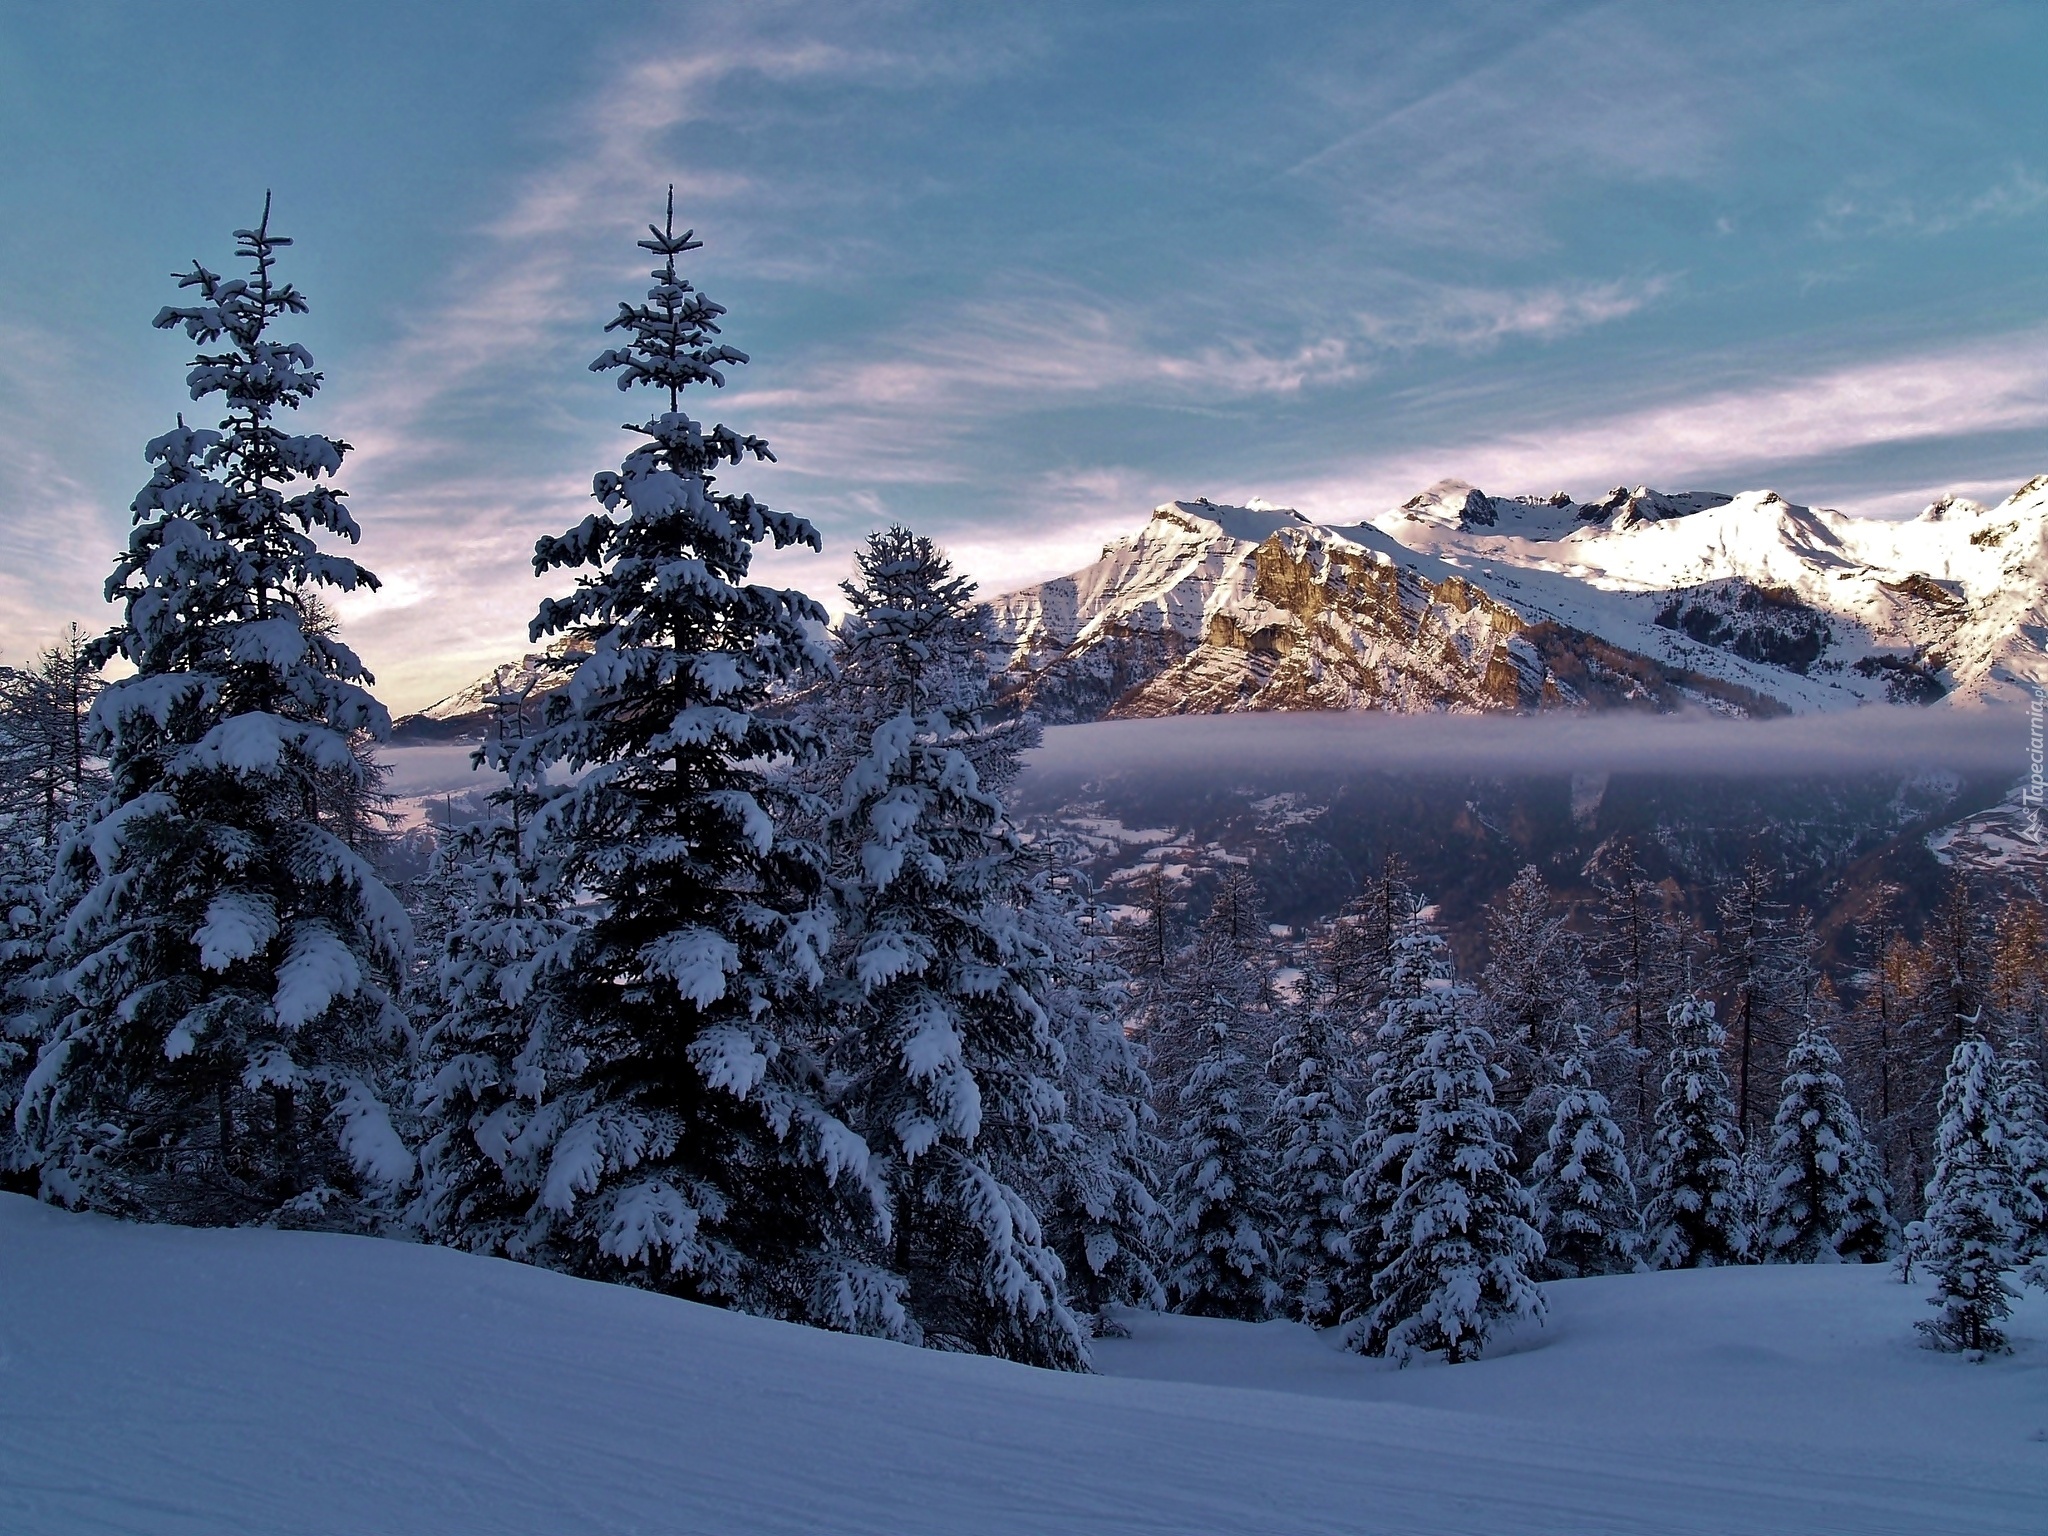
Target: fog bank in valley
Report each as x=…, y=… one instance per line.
x=1871, y=739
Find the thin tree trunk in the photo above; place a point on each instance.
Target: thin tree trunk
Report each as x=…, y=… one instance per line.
x=226, y=1112
x=287, y=1107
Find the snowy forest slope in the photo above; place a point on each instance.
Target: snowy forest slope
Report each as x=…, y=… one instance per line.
x=166, y=1380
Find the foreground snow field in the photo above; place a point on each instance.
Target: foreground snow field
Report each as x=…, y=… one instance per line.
x=169, y=1381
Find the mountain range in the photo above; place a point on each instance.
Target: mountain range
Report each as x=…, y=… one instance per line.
x=1459, y=600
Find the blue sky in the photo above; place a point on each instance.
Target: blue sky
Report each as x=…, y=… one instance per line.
x=1013, y=275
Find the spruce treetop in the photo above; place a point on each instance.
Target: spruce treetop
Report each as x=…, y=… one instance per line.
x=665, y=606
x=216, y=536
x=671, y=346
x=915, y=630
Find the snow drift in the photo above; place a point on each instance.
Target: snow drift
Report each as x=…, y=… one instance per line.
x=164, y=1380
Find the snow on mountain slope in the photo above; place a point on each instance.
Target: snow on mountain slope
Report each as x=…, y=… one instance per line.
x=1840, y=608
x=165, y=1381
x=1464, y=601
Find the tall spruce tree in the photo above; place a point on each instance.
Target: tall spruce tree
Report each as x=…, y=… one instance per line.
x=1625, y=956
x=1460, y=1252
x=1825, y=1198
x=946, y=1045
x=1537, y=1002
x=1697, y=1211
x=1355, y=954
x=1760, y=969
x=1417, y=991
x=690, y=1150
x=1309, y=1152
x=218, y=1036
x=1970, y=1236
x=1227, y=963
x=1220, y=1223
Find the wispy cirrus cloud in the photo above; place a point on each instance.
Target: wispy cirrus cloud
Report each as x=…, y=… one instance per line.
x=59, y=534
x=1473, y=318
x=947, y=380
x=1871, y=208
x=1722, y=435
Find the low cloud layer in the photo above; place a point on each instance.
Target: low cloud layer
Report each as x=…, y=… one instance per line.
x=1321, y=745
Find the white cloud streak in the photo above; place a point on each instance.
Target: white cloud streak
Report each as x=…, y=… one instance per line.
x=1982, y=387
x=59, y=538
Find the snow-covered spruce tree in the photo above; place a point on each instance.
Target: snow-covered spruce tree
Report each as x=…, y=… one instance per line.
x=1220, y=1224
x=1696, y=1211
x=1825, y=1199
x=944, y=997
x=2023, y=1130
x=492, y=1043
x=1582, y=1183
x=1970, y=1236
x=1461, y=1252
x=1100, y=1171
x=218, y=1033
x=1418, y=993
x=1309, y=1152
x=690, y=1149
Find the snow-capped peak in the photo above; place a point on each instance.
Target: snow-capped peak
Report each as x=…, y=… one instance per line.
x=1252, y=524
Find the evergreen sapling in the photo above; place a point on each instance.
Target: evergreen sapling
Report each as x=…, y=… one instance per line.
x=1582, y=1184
